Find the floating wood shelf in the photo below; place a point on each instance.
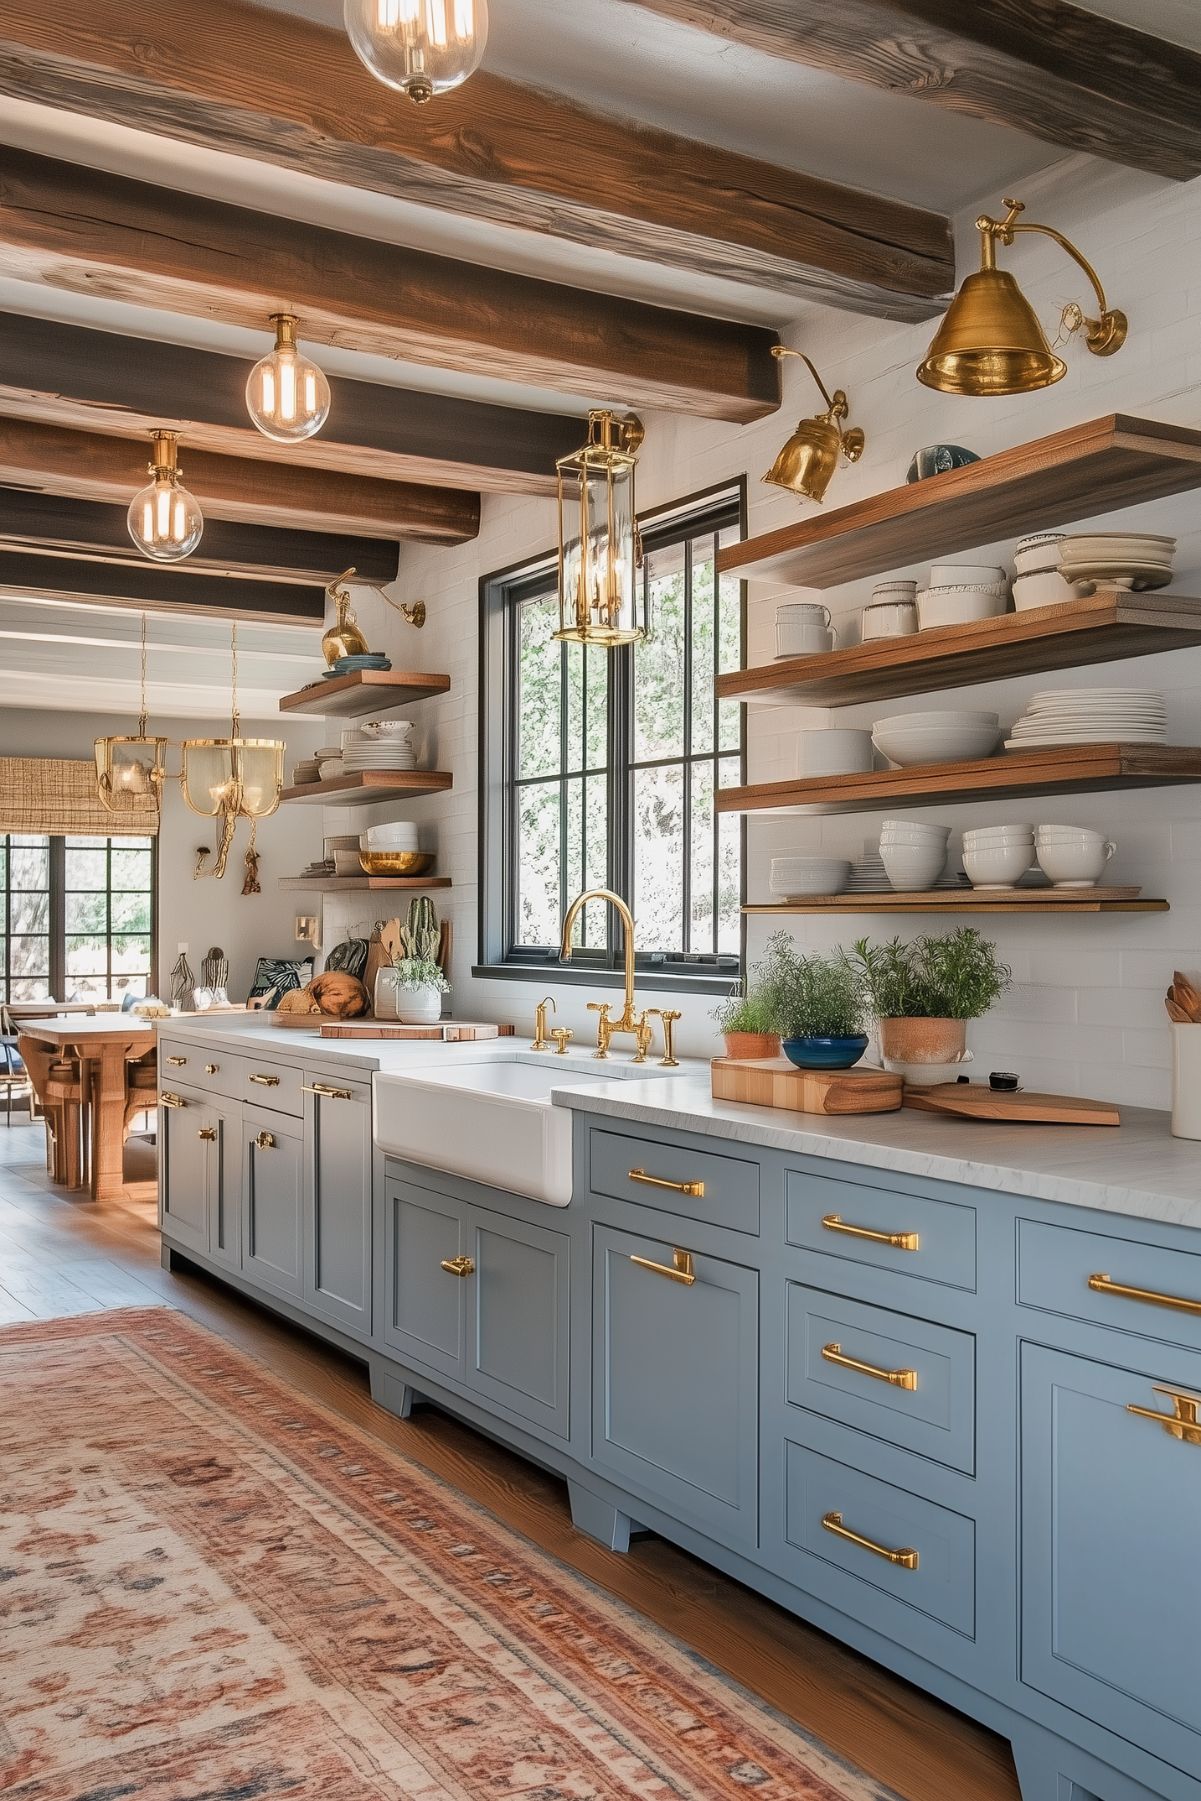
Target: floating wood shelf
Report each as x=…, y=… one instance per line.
x=366, y=787
x=975, y=900
x=363, y=691
x=1074, y=769
x=348, y=884
x=1104, y=627
x=1090, y=469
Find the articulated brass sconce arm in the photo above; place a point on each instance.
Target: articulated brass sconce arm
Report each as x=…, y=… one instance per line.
x=1107, y=332
x=852, y=441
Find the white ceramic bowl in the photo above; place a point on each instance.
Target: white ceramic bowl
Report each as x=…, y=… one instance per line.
x=937, y=744
x=401, y=836
x=901, y=590
x=994, y=834
x=1044, y=588
x=387, y=728
x=1070, y=834
x=1074, y=865
x=912, y=868
x=958, y=575
x=997, y=865
x=905, y=722
x=937, y=607
x=1039, y=551
x=909, y=841
x=834, y=750
x=919, y=827
x=792, y=876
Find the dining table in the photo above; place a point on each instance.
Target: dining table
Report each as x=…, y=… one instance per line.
x=104, y=1044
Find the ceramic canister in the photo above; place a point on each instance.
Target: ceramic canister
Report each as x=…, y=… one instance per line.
x=803, y=629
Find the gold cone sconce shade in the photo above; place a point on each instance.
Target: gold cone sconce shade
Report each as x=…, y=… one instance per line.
x=810, y=457
x=232, y=778
x=601, y=597
x=129, y=770
x=990, y=341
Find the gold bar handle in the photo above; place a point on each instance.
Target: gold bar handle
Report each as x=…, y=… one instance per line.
x=265, y=1081
x=679, y=1270
x=695, y=1189
x=906, y=1559
x=1183, y=1423
x=177, y=1062
x=171, y=1100
x=265, y=1141
x=332, y=1094
x=1103, y=1285
x=900, y=1241
x=208, y=1134
x=833, y=1353
x=458, y=1266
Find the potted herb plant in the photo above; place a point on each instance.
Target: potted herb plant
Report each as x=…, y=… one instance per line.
x=923, y=993
x=411, y=987
x=817, y=1004
x=745, y=1024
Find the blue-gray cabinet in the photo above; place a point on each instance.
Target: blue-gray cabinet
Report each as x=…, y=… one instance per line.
x=423, y=1287
x=184, y=1166
x=337, y=1190
x=272, y=1200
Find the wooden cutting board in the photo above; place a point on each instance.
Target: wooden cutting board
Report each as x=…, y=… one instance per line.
x=975, y=1100
x=775, y=1082
x=446, y=1031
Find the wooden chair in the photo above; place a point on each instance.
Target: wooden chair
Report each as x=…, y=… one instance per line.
x=141, y=1087
x=58, y=1084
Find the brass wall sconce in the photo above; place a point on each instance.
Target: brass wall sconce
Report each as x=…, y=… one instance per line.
x=810, y=457
x=601, y=599
x=344, y=638
x=990, y=341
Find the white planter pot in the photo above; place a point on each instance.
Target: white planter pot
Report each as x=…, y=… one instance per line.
x=1186, y=1080
x=419, y=1006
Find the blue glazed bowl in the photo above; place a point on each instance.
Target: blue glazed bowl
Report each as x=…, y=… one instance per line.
x=825, y=1053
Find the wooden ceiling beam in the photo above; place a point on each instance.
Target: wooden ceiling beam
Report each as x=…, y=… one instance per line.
x=60, y=525
x=237, y=78
x=91, y=466
x=106, y=381
x=158, y=587
x=1065, y=75
x=76, y=228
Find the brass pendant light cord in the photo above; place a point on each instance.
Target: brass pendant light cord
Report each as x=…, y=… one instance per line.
x=144, y=715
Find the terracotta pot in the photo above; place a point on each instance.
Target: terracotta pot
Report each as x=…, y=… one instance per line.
x=923, y=1040
x=752, y=1044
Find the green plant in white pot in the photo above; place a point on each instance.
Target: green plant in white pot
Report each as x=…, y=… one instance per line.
x=411, y=987
x=923, y=993
x=420, y=986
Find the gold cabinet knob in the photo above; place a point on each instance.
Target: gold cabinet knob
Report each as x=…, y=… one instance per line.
x=265, y=1141
x=208, y=1134
x=458, y=1266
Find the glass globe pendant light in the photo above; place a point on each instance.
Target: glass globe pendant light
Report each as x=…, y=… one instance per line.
x=165, y=521
x=422, y=47
x=129, y=770
x=287, y=395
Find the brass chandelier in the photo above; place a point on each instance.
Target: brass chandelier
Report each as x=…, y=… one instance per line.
x=129, y=769
x=232, y=778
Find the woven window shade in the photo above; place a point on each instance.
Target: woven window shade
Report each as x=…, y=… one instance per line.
x=58, y=797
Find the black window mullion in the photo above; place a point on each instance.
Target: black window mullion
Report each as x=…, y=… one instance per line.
x=686, y=766
x=715, y=822
x=58, y=917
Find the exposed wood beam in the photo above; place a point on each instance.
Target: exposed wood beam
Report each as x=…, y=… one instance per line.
x=1063, y=74
x=79, y=228
x=105, y=381
x=157, y=587
x=237, y=78
x=58, y=525
x=91, y=466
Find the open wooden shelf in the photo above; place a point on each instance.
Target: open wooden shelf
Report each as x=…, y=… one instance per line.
x=974, y=900
x=363, y=691
x=1074, y=769
x=348, y=884
x=1095, y=468
x=367, y=787
x=1104, y=627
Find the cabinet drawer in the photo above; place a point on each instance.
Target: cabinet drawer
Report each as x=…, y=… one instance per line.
x=865, y=1222
x=922, y=1395
x=917, y=1551
x=1057, y=1263
x=278, y=1086
x=701, y=1185
x=193, y=1066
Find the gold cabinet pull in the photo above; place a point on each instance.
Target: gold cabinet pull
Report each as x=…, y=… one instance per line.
x=167, y=1099
x=208, y=1133
x=678, y=1270
x=265, y=1081
x=1184, y=1422
x=459, y=1266
x=265, y=1141
x=331, y=1094
x=1104, y=1285
x=695, y=1189
x=905, y=1559
x=177, y=1062
x=212, y=1069
x=833, y=1353
x=900, y=1241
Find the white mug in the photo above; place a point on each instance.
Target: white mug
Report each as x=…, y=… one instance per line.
x=888, y=619
x=803, y=629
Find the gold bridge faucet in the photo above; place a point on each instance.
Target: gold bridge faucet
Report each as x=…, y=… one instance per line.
x=631, y=1024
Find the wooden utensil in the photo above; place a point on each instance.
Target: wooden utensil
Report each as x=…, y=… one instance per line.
x=1176, y=1012
x=975, y=1100
x=775, y=1082
x=1186, y=996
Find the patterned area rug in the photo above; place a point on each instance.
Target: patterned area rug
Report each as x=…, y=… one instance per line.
x=209, y=1587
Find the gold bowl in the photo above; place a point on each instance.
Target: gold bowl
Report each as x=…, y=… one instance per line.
x=396, y=862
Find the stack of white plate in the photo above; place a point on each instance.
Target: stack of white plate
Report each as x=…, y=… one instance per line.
x=867, y=874
x=1091, y=716
x=792, y=878
x=360, y=752
x=1117, y=559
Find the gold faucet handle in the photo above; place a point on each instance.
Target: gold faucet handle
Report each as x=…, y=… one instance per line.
x=604, y=1027
x=562, y=1036
x=668, y=1016
x=644, y=1034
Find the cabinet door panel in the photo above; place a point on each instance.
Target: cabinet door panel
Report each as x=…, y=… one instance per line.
x=425, y=1304
x=225, y=1185
x=183, y=1178
x=271, y=1202
x=337, y=1204
x=675, y=1382
x=1111, y=1581
x=517, y=1323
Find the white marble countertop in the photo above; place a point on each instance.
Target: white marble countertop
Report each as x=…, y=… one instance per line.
x=1137, y=1168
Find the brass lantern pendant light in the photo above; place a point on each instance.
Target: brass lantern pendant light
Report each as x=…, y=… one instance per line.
x=601, y=599
x=287, y=395
x=810, y=457
x=990, y=341
x=129, y=770
x=232, y=778
x=164, y=520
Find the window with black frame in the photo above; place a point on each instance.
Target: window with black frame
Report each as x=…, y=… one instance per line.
x=77, y=920
x=603, y=767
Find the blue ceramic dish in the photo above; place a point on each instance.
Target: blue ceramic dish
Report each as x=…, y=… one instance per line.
x=825, y=1053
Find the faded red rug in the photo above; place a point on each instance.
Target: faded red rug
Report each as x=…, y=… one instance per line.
x=209, y=1587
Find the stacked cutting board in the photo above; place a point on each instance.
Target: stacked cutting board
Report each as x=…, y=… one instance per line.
x=775, y=1082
